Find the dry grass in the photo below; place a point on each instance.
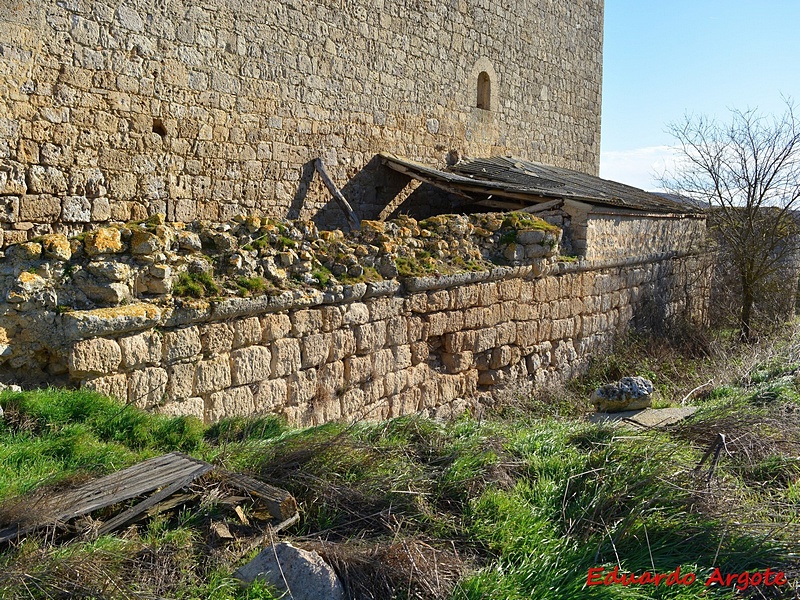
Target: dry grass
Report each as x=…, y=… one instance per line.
x=402, y=567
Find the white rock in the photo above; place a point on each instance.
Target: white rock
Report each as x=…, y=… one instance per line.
x=303, y=574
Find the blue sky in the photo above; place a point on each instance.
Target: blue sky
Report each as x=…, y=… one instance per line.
x=667, y=58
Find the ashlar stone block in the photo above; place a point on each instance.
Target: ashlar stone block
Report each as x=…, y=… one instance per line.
x=251, y=364
x=233, y=402
x=94, y=357
x=181, y=344
x=142, y=349
x=247, y=332
x=212, y=375
x=147, y=387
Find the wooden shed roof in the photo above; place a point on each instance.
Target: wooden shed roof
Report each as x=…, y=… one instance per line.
x=526, y=182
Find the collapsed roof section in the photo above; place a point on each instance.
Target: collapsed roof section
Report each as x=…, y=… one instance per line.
x=515, y=184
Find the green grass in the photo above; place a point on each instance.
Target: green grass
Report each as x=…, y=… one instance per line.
x=248, y=286
x=196, y=285
x=518, y=505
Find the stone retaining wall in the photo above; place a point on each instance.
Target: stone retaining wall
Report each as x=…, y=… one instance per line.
x=380, y=350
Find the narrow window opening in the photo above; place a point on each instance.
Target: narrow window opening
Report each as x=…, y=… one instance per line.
x=158, y=127
x=484, y=91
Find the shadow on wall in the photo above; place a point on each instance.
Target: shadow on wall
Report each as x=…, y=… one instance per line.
x=663, y=309
x=375, y=192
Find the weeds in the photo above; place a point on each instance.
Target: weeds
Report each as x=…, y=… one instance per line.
x=517, y=505
x=196, y=285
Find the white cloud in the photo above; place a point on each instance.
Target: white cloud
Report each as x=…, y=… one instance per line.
x=640, y=167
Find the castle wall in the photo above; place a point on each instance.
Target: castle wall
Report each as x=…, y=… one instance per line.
x=386, y=351
x=112, y=112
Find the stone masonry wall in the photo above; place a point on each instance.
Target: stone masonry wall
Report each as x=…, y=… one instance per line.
x=619, y=236
x=117, y=111
x=430, y=345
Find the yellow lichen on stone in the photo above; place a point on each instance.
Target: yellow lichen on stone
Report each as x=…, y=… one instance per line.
x=106, y=240
x=56, y=245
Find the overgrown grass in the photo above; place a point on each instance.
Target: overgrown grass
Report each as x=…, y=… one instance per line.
x=518, y=505
x=196, y=285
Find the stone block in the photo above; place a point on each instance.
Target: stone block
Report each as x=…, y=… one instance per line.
x=463, y=297
x=246, y=332
x=113, y=386
x=315, y=349
x=106, y=240
x=109, y=269
x=396, y=331
x=394, y=383
x=385, y=308
x=357, y=369
x=285, y=357
x=302, y=387
x=142, y=349
x=216, y=338
x=356, y=313
x=343, y=344
x=305, y=322
x=250, y=365
x=232, y=402
x=97, y=356
x=353, y=403
x=458, y=362
x=403, y=357
x=459, y=341
x=9, y=208
x=500, y=357
x=418, y=329
x=370, y=336
x=405, y=403
x=438, y=300
x=147, y=387
x=190, y=407
x=46, y=180
x=212, y=375
x=437, y=323
x=417, y=303
x=420, y=352
x=330, y=378
x=485, y=339
x=270, y=395
x=506, y=333
x=331, y=318
x=76, y=209
x=383, y=362
x=275, y=327
x=182, y=344
x=42, y=208
x=180, y=384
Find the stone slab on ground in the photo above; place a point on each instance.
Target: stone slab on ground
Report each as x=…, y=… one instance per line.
x=647, y=418
x=302, y=573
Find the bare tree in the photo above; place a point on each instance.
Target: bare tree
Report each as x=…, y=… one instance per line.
x=748, y=173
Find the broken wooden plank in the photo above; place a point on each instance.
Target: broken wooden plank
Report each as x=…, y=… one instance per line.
x=134, y=511
x=168, y=474
x=132, y=482
x=354, y=221
x=280, y=503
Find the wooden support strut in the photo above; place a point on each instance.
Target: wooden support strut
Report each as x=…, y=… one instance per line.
x=354, y=221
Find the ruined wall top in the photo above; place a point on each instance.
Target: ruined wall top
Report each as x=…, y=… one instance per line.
x=112, y=112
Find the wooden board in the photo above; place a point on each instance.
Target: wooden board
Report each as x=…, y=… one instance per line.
x=168, y=474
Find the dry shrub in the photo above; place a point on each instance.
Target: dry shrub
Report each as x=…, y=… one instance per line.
x=409, y=568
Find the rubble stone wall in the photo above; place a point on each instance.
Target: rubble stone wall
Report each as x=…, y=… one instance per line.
x=117, y=111
x=384, y=351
